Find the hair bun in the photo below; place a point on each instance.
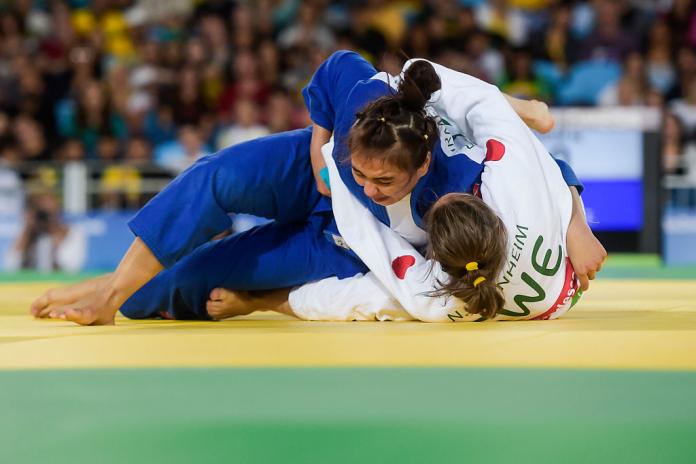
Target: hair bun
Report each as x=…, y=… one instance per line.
x=419, y=82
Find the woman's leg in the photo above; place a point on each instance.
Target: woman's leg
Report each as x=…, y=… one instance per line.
x=269, y=177
x=99, y=307
x=268, y=257
x=224, y=303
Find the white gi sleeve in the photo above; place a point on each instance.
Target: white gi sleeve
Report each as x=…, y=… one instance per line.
x=358, y=298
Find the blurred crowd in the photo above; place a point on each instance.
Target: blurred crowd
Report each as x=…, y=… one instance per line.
x=142, y=88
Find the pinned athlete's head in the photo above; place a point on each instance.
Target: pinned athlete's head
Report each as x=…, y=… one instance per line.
x=392, y=139
x=470, y=242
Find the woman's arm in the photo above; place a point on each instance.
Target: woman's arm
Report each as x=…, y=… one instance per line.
x=586, y=253
x=534, y=113
x=326, y=96
x=320, y=137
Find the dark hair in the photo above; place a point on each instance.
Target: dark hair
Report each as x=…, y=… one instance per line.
x=396, y=128
x=462, y=229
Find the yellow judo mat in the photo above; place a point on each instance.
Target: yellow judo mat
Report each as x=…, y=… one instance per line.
x=619, y=324
x=614, y=381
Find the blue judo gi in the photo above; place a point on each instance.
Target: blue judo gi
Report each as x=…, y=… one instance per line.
x=272, y=177
x=269, y=177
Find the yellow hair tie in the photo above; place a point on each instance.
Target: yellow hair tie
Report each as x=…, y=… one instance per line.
x=382, y=120
x=426, y=137
x=472, y=266
x=478, y=281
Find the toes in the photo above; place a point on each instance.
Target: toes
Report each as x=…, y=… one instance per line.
x=46, y=311
x=39, y=304
x=216, y=294
x=78, y=316
x=54, y=312
x=215, y=310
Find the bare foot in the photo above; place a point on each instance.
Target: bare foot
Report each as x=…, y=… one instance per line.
x=61, y=296
x=540, y=118
x=225, y=303
x=98, y=307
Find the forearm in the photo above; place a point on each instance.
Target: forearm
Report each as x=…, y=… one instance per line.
x=578, y=213
x=534, y=113
x=320, y=137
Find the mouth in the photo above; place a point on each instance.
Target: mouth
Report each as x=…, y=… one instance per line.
x=382, y=201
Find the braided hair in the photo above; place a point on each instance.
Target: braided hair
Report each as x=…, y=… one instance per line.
x=396, y=128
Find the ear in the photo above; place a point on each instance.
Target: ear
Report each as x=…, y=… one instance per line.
x=423, y=169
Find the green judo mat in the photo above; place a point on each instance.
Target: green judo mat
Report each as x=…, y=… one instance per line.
x=347, y=415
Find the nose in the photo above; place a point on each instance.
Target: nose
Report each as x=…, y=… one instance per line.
x=371, y=190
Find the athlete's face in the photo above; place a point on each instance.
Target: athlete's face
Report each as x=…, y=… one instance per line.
x=382, y=182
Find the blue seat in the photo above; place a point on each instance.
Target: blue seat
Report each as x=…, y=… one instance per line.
x=585, y=82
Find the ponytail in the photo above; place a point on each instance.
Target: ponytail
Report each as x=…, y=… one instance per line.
x=470, y=242
x=418, y=84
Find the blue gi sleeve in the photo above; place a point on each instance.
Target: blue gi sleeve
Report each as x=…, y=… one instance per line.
x=569, y=175
x=327, y=92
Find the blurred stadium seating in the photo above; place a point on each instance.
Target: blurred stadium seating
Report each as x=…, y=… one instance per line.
x=102, y=102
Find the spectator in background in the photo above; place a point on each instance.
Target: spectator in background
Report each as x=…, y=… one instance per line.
x=682, y=21
x=107, y=148
x=46, y=242
x=269, y=62
x=33, y=99
x=661, y=72
x=280, y=112
x=188, y=102
x=159, y=124
x=521, y=81
x=121, y=184
x=183, y=73
x=672, y=144
x=556, y=42
x=633, y=89
x=246, y=126
x=418, y=42
x=388, y=19
x=11, y=188
x=6, y=135
x=499, y=18
x=179, y=154
x=487, y=63
x=686, y=73
x=685, y=110
x=608, y=40
x=93, y=116
x=246, y=84
x=215, y=40
x=72, y=150
x=31, y=140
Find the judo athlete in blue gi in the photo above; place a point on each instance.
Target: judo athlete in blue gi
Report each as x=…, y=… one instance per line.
x=269, y=177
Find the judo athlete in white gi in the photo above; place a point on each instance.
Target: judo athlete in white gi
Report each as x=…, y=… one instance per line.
x=166, y=234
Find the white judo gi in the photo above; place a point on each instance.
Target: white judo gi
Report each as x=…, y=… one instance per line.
x=520, y=182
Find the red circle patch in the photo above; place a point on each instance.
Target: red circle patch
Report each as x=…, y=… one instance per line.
x=401, y=264
x=495, y=150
